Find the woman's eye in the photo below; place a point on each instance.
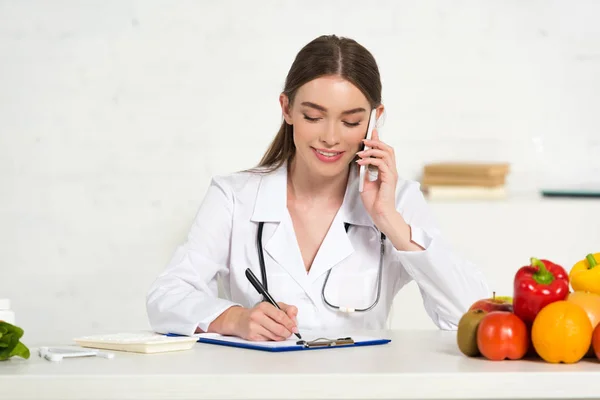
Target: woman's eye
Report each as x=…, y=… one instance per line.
x=306, y=117
x=316, y=119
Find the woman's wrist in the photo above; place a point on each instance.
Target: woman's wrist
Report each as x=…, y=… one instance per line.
x=225, y=324
x=398, y=232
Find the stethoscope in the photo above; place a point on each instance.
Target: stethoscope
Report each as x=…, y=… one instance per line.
x=263, y=271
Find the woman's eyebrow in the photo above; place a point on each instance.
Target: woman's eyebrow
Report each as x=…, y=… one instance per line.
x=321, y=108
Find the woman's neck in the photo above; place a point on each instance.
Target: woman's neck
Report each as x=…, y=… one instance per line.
x=306, y=186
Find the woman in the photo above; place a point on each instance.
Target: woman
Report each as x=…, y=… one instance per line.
x=319, y=237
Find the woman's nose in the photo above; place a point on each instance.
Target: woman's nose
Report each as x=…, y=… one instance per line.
x=332, y=135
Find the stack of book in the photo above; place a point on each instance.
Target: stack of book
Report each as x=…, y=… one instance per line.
x=464, y=180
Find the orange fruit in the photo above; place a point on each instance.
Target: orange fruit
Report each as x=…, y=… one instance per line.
x=562, y=332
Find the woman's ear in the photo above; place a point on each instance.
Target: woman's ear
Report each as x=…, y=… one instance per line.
x=285, y=108
x=380, y=111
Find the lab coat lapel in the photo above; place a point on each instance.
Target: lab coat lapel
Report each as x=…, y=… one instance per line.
x=279, y=239
x=337, y=245
x=282, y=246
x=335, y=248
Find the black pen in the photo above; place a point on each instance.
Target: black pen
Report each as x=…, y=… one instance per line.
x=261, y=289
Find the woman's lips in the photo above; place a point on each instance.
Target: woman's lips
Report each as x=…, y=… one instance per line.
x=327, y=155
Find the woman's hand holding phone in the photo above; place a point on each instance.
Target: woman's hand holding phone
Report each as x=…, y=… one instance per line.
x=379, y=196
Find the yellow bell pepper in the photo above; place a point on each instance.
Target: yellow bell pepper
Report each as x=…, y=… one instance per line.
x=584, y=276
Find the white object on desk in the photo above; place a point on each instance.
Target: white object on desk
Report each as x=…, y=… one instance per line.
x=58, y=353
x=138, y=342
x=6, y=314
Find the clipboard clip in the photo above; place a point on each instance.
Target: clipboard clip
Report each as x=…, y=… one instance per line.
x=325, y=342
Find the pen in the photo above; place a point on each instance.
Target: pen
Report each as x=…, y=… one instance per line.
x=261, y=289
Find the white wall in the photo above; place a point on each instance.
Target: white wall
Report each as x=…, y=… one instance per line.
x=114, y=115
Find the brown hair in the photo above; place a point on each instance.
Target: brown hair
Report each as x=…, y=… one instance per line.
x=325, y=55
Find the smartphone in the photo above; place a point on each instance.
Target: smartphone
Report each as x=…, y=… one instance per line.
x=373, y=172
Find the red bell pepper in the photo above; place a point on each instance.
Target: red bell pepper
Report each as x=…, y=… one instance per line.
x=536, y=286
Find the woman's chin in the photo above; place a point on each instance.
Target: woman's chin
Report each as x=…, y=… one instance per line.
x=330, y=170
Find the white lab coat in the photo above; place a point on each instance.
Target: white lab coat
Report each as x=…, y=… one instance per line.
x=222, y=244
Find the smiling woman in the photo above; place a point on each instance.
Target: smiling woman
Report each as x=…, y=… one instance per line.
x=326, y=126
x=334, y=257
x=336, y=83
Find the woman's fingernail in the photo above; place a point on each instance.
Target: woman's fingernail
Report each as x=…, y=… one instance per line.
x=295, y=329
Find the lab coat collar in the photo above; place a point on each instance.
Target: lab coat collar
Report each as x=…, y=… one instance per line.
x=271, y=199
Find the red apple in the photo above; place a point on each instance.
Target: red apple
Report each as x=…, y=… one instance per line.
x=495, y=303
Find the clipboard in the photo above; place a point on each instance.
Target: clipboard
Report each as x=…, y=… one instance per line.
x=316, y=342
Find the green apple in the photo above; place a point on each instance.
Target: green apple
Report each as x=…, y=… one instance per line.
x=466, y=335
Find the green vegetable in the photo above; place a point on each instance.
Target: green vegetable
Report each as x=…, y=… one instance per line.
x=9, y=342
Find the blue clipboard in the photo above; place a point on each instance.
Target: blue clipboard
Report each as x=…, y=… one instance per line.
x=291, y=345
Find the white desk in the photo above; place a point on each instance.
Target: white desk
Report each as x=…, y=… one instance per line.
x=415, y=365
